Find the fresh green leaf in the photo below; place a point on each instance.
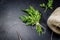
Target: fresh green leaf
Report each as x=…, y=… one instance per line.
x=42, y=5
x=49, y=4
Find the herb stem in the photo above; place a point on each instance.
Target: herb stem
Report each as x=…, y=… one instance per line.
x=39, y=28
x=46, y=9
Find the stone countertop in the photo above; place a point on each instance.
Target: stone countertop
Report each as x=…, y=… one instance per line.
x=11, y=26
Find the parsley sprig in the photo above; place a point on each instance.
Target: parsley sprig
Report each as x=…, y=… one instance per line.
x=48, y=5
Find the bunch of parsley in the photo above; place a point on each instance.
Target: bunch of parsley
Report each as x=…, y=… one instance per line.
x=33, y=18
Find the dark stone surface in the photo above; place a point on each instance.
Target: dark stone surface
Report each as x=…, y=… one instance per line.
x=10, y=24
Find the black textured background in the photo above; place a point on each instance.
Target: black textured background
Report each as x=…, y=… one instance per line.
x=10, y=24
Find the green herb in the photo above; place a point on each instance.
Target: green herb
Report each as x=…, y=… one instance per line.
x=42, y=5
x=48, y=5
x=32, y=18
